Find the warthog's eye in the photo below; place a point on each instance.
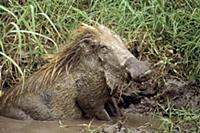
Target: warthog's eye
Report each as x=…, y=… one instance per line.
x=104, y=49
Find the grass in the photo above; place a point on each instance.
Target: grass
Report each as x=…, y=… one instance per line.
x=179, y=120
x=165, y=31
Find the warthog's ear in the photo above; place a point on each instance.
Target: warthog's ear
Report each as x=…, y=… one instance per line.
x=86, y=43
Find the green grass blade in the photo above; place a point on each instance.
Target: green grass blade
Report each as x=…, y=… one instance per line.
x=8, y=11
x=32, y=16
x=2, y=47
x=47, y=17
x=37, y=34
x=13, y=62
x=19, y=38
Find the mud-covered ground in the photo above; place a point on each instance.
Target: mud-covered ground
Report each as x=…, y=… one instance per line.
x=171, y=94
x=160, y=97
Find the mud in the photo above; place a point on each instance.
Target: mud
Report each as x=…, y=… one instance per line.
x=179, y=93
x=168, y=93
x=16, y=126
x=135, y=123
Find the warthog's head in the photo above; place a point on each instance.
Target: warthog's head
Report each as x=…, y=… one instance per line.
x=97, y=48
x=112, y=50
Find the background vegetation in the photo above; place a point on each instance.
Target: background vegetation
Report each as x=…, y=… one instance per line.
x=167, y=32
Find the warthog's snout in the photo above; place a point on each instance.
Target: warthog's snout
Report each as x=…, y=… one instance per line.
x=137, y=69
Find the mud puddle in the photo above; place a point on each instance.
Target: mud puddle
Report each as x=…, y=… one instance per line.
x=134, y=122
x=31, y=126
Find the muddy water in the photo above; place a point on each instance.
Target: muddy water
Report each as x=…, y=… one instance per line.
x=30, y=126
x=137, y=120
x=71, y=126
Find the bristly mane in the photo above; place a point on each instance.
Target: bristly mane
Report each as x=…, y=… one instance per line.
x=65, y=60
x=61, y=62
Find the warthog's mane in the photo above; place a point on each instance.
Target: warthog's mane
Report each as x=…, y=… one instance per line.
x=60, y=62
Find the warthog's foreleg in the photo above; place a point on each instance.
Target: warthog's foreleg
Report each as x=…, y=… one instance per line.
x=15, y=113
x=112, y=107
x=90, y=109
x=33, y=106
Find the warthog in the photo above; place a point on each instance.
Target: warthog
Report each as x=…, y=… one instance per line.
x=78, y=80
